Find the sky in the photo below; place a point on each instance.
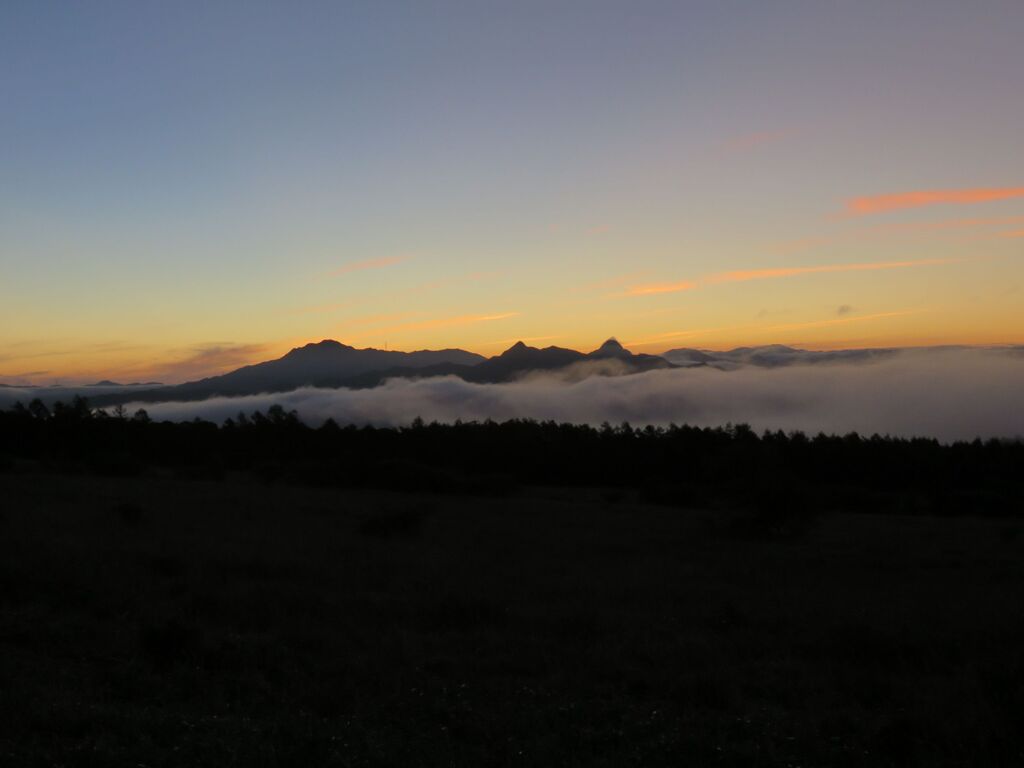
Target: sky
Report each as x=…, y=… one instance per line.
x=189, y=187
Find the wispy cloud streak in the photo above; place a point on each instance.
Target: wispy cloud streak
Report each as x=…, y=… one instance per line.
x=743, y=275
x=646, y=290
x=893, y=202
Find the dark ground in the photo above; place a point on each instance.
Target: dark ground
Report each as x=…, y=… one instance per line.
x=156, y=621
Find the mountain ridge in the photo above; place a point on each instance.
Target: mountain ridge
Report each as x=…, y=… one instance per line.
x=332, y=364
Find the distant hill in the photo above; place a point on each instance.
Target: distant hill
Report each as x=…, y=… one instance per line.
x=331, y=364
x=510, y=364
x=520, y=358
x=613, y=350
x=324, y=364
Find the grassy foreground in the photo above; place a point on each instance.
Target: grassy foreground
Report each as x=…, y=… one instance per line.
x=157, y=621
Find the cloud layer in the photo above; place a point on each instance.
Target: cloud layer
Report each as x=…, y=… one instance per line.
x=949, y=394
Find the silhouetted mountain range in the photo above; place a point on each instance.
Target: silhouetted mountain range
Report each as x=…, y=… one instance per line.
x=520, y=359
x=330, y=364
x=324, y=364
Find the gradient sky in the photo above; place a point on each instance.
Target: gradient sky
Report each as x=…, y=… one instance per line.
x=187, y=187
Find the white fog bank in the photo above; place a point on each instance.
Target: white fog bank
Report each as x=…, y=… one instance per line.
x=948, y=394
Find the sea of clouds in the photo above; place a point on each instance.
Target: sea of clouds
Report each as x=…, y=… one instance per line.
x=950, y=394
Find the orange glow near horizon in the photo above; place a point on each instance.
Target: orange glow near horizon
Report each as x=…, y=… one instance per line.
x=402, y=313
x=169, y=367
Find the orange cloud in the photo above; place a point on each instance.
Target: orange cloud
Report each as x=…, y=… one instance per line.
x=883, y=203
x=359, y=266
x=1018, y=233
x=646, y=290
x=762, y=274
x=742, y=275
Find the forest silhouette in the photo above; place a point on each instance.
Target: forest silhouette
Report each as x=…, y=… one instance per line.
x=728, y=466
x=266, y=592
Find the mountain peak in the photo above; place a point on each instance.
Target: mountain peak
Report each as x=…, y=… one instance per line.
x=327, y=345
x=611, y=348
x=516, y=349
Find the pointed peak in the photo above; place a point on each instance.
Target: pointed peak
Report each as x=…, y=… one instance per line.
x=516, y=349
x=611, y=348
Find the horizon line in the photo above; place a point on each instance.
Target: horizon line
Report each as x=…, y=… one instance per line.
x=94, y=381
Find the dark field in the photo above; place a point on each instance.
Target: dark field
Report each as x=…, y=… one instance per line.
x=159, y=621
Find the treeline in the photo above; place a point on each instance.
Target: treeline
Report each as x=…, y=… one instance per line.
x=691, y=466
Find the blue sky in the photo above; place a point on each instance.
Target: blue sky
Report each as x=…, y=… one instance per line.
x=181, y=178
